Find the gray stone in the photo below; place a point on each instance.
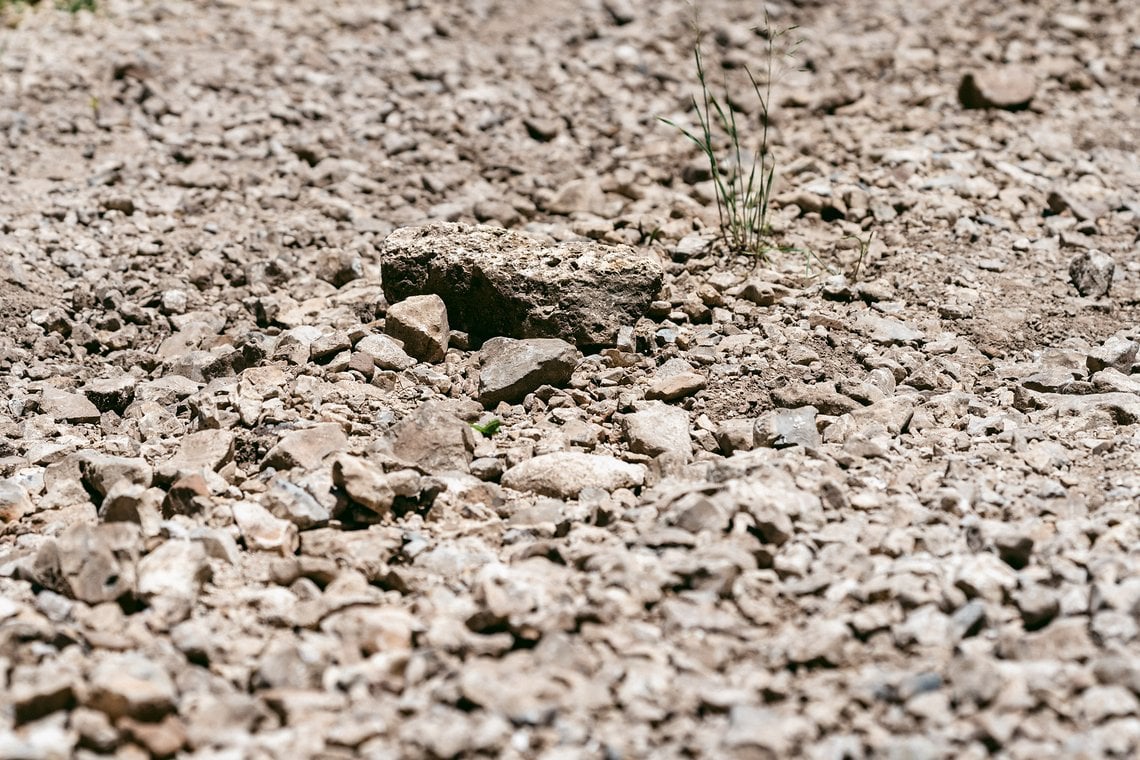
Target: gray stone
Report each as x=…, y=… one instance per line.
x=205, y=450
x=434, y=438
x=368, y=485
x=328, y=345
x=306, y=448
x=295, y=344
x=1038, y=605
x=420, y=323
x=294, y=503
x=821, y=641
x=1008, y=87
x=1061, y=200
x=675, y=386
x=66, y=406
x=1109, y=408
x=1100, y=703
x=782, y=428
x=887, y=330
x=1091, y=272
x=584, y=194
x=1114, y=381
x=111, y=394
x=563, y=474
x=736, y=434
x=658, y=429
x=38, y=691
x=498, y=282
x=985, y=576
x=513, y=368
x=823, y=397
x=130, y=502
x=385, y=352
x=166, y=391
x=102, y=471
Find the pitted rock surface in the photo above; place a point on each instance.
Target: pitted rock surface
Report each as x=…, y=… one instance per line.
x=496, y=282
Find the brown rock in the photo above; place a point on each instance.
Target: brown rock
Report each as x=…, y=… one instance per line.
x=420, y=322
x=434, y=439
x=69, y=407
x=499, y=282
x=161, y=740
x=305, y=449
x=90, y=563
x=133, y=685
x=1008, y=87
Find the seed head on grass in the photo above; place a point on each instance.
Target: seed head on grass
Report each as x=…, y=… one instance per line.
x=743, y=190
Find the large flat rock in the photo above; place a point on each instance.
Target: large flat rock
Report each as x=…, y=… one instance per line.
x=496, y=282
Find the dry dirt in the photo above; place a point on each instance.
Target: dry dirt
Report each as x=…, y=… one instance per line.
x=193, y=211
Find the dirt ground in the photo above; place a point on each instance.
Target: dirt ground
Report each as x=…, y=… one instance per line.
x=899, y=518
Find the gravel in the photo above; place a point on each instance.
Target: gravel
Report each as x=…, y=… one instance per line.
x=373, y=385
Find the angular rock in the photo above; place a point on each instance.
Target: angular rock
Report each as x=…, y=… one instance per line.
x=66, y=406
x=161, y=739
x=131, y=684
x=985, y=576
x=368, y=485
x=888, y=331
x=755, y=731
x=129, y=502
x=1008, y=87
x=306, y=448
x=563, y=474
x=261, y=531
x=14, y=501
x=497, y=282
x=102, y=471
x=513, y=368
x=782, y=428
x=1091, y=272
x=736, y=434
x=188, y=495
x=420, y=322
x=204, y=450
x=673, y=387
x=658, y=429
x=111, y=394
x=90, y=563
x=1117, y=353
x=584, y=194
x=294, y=503
x=328, y=345
x=36, y=692
x=434, y=438
x=385, y=352
x=172, y=575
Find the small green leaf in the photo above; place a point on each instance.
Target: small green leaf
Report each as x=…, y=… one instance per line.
x=488, y=428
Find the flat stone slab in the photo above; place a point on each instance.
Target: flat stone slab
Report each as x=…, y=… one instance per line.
x=497, y=282
x=563, y=474
x=513, y=368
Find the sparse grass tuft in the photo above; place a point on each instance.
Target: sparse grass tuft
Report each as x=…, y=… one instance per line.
x=74, y=6
x=743, y=187
x=864, y=248
x=71, y=6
